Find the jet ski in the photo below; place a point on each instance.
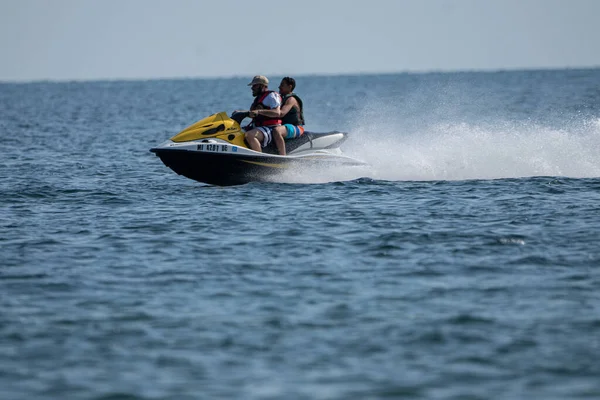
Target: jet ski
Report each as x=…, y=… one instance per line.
x=214, y=151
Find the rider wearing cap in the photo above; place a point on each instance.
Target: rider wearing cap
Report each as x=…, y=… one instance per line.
x=263, y=121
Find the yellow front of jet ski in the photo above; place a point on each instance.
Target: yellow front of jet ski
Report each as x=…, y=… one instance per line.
x=217, y=125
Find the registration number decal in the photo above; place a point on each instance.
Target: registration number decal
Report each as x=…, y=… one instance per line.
x=213, y=147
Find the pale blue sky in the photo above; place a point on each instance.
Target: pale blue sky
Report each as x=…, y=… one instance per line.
x=113, y=39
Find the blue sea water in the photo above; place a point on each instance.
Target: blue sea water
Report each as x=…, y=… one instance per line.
x=462, y=263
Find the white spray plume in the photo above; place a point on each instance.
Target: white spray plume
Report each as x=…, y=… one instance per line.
x=447, y=151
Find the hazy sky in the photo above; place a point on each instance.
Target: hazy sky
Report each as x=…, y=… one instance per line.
x=99, y=39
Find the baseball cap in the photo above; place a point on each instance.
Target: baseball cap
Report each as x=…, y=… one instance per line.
x=259, y=80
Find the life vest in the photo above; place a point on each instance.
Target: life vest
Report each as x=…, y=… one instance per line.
x=294, y=116
x=261, y=120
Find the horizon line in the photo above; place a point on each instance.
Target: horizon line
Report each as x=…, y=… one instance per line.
x=314, y=74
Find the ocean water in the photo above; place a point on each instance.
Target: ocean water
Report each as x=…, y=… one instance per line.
x=462, y=263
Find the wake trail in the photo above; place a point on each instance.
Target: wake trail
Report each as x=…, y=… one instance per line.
x=464, y=151
x=448, y=151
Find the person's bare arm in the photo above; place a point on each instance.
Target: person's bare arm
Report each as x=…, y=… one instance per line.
x=273, y=112
x=278, y=112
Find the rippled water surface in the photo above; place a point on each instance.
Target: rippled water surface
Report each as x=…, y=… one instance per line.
x=463, y=263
